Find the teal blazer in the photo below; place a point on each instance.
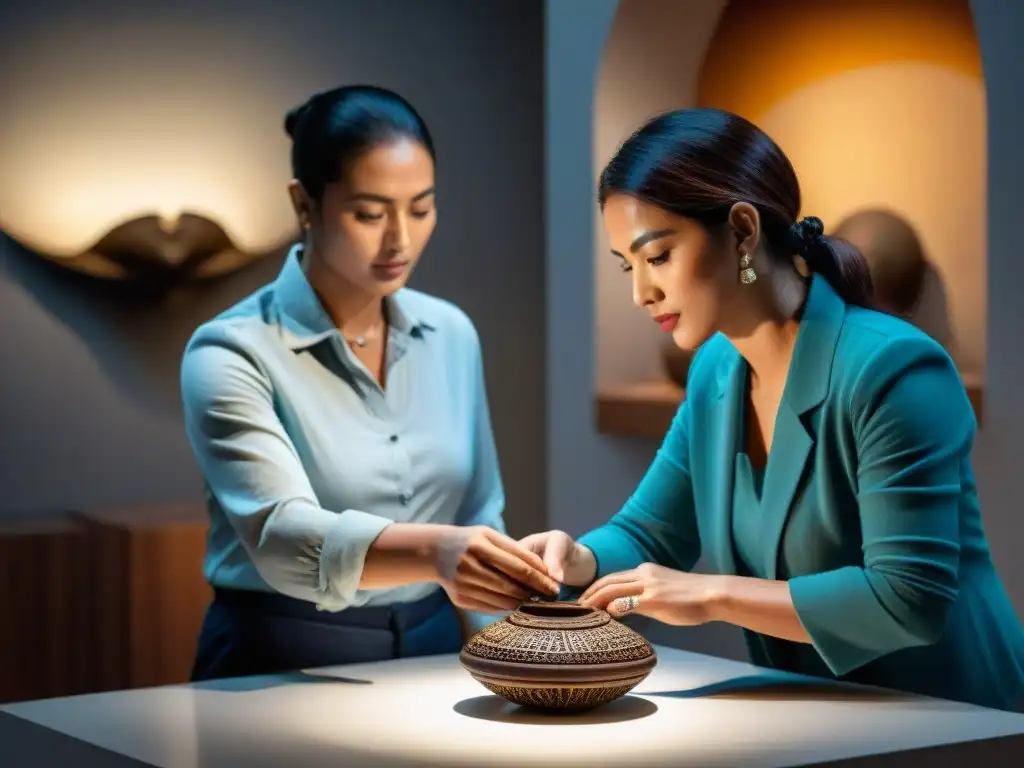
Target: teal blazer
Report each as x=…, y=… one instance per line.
x=869, y=506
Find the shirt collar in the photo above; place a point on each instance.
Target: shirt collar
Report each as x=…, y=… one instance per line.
x=305, y=322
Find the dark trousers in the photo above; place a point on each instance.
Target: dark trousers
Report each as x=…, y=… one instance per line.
x=257, y=633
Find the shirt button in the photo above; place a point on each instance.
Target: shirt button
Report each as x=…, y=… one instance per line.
x=403, y=499
x=393, y=438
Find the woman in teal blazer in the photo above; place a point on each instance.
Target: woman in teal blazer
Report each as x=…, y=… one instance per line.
x=821, y=459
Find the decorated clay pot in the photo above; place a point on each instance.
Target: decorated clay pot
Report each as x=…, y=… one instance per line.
x=558, y=656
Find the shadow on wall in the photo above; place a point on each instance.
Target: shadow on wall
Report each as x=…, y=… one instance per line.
x=135, y=335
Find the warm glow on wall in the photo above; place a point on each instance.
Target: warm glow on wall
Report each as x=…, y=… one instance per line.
x=878, y=104
x=762, y=51
x=106, y=122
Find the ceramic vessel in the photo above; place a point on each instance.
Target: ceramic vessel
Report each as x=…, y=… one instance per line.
x=558, y=656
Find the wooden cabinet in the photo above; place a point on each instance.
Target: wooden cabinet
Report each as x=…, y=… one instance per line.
x=149, y=593
x=100, y=600
x=44, y=638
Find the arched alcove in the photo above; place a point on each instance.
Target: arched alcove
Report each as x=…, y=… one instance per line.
x=879, y=105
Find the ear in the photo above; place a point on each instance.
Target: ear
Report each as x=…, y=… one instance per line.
x=745, y=227
x=301, y=202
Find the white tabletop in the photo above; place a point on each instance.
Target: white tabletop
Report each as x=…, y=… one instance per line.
x=692, y=710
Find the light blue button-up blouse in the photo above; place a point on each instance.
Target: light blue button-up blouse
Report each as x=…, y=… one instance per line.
x=306, y=459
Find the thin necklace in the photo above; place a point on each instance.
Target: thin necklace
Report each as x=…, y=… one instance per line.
x=361, y=341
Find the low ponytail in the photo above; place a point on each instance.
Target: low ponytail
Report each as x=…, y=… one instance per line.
x=836, y=260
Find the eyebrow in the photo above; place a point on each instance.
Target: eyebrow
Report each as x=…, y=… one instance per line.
x=645, y=238
x=370, y=197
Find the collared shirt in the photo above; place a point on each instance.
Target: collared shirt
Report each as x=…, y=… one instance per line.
x=306, y=459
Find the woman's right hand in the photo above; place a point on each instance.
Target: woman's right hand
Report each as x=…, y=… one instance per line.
x=484, y=570
x=572, y=564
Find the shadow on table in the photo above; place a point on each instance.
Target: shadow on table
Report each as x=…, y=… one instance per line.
x=264, y=682
x=498, y=710
x=780, y=687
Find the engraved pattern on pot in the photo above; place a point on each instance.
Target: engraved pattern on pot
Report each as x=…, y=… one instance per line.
x=612, y=642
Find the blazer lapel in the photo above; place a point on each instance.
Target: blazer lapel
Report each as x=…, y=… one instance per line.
x=807, y=384
x=725, y=413
x=791, y=445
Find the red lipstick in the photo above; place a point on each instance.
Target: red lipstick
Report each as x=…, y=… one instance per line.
x=667, y=322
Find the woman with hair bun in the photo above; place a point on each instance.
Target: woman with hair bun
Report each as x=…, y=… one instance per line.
x=341, y=424
x=821, y=460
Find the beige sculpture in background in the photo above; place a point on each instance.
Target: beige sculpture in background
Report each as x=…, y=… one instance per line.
x=162, y=252
x=895, y=257
x=906, y=283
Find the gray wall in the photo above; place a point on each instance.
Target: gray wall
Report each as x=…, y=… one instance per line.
x=590, y=475
x=999, y=455
x=88, y=392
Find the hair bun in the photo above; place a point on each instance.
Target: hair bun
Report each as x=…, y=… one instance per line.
x=806, y=233
x=811, y=228
x=291, y=119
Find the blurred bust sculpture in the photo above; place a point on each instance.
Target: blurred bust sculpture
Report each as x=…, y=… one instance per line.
x=894, y=254
x=906, y=284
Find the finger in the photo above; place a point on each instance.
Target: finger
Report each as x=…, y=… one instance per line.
x=556, y=555
x=534, y=543
x=472, y=598
x=513, y=547
x=518, y=568
x=482, y=576
x=612, y=578
x=607, y=594
x=554, y=548
x=621, y=606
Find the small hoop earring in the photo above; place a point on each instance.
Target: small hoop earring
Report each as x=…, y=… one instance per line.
x=747, y=274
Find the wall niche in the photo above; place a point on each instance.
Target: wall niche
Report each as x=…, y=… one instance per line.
x=881, y=107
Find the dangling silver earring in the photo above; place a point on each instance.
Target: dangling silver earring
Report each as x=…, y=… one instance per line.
x=747, y=274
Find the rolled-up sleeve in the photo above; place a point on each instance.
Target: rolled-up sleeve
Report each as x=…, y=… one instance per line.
x=913, y=427
x=253, y=471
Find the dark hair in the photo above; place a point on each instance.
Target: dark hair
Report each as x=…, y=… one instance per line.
x=698, y=163
x=334, y=128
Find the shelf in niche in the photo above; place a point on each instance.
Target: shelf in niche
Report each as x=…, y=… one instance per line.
x=641, y=409
x=645, y=409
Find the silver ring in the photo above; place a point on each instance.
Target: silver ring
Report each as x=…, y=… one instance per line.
x=626, y=604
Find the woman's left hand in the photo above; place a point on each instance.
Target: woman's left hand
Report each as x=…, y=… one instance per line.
x=663, y=594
